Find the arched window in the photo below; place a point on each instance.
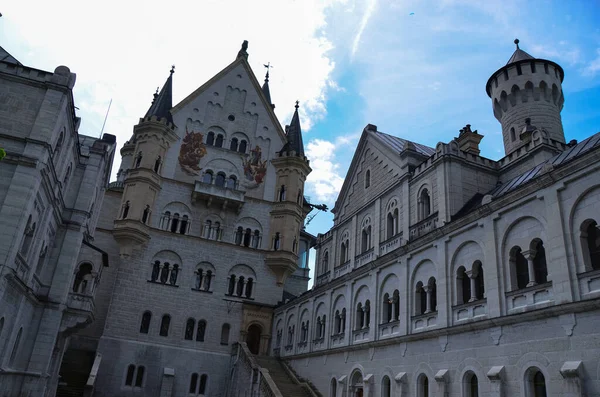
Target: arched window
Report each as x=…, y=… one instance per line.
x=157, y=164
x=366, y=239
x=242, y=148
x=164, y=325
x=174, y=274
x=513, y=136
x=282, y=193
x=423, y=386
x=240, y=286
x=125, y=210
x=210, y=138
x=138, y=160
x=333, y=388
x=343, y=253
x=396, y=303
x=424, y=204
x=146, y=214
x=299, y=197
x=164, y=273
x=420, y=299
x=219, y=141
x=183, y=227
x=130, y=375
x=386, y=387
x=463, y=286
x=326, y=262
x=220, y=179
x=479, y=283
x=249, y=285
x=28, y=234
x=535, y=383
x=367, y=179
x=225, y=334
x=155, y=271
x=247, y=237
x=201, y=331
x=359, y=316
x=83, y=279
x=590, y=241
x=471, y=385
x=174, y=223
x=392, y=224
x=136, y=373
x=207, y=177
x=231, y=288
x=432, y=294
x=519, y=263
x=15, y=348
x=232, y=182
x=540, y=268
x=256, y=239
x=276, y=242
x=189, y=329
x=234, y=144
x=239, y=235
x=194, y=383
x=139, y=377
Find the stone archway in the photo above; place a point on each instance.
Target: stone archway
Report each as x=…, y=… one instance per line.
x=253, y=337
x=357, y=385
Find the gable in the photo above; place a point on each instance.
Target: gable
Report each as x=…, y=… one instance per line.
x=231, y=105
x=380, y=162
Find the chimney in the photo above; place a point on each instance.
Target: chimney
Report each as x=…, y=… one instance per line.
x=468, y=141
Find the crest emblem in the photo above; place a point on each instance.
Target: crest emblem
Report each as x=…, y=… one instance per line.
x=255, y=168
x=192, y=150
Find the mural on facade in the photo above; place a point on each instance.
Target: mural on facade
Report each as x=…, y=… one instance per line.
x=192, y=150
x=255, y=168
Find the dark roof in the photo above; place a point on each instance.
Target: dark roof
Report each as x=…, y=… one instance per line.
x=6, y=57
x=519, y=55
x=294, y=135
x=559, y=160
x=163, y=102
x=399, y=144
x=265, y=89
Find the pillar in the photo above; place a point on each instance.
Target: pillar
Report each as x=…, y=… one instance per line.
x=530, y=255
x=428, y=291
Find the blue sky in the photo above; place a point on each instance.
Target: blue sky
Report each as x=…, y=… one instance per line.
x=350, y=63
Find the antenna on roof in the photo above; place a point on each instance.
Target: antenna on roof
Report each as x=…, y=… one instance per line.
x=105, y=117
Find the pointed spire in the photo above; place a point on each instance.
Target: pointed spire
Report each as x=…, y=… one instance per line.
x=243, y=52
x=265, y=87
x=519, y=54
x=294, y=135
x=163, y=101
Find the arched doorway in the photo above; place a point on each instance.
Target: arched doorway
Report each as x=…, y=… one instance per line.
x=253, y=338
x=356, y=385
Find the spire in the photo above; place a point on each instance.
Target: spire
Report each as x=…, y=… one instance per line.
x=163, y=101
x=265, y=87
x=519, y=54
x=294, y=135
x=243, y=52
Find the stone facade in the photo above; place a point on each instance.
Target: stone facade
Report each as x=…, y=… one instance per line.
x=450, y=274
x=51, y=189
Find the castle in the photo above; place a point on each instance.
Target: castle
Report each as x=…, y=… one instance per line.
x=445, y=273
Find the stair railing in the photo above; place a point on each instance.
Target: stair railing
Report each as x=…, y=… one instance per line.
x=88, y=390
x=246, y=370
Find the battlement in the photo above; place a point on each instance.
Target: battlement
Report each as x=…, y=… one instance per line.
x=62, y=75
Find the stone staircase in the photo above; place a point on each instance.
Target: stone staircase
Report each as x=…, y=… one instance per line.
x=285, y=379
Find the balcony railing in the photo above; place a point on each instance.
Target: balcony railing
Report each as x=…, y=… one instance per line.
x=533, y=297
x=425, y=321
x=81, y=302
x=589, y=284
x=217, y=195
x=360, y=335
x=323, y=278
x=390, y=244
x=117, y=185
x=22, y=267
x=341, y=269
x=364, y=258
x=389, y=329
x=476, y=310
x=424, y=226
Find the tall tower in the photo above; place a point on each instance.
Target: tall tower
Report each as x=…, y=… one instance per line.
x=288, y=211
x=152, y=136
x=527, y=88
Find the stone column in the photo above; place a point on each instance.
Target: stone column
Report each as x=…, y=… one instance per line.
x=472, y=278
x=428, y=291
x=364, y=317
x=530, y=255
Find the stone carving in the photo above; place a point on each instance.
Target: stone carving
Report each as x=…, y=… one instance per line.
x=192, y=150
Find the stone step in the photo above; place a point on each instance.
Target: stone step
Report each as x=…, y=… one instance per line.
x=284, y=382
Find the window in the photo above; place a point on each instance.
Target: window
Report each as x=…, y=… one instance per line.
x=130, y=374
x=125, y=210
x=157, y=164
x=471, y=385
x=282, y=193
x=183, y=227
x=83, y=279
x=366, y=239
x=463, y=286
x=28, y=235
x=189, y=329
x=225, y=334
x=424, y=204
x=219, y=141
x=539, y=263
x=139, y=378
x=207, y=177
x=146, y=214
x=423, y=386
x=590, y=241
x=220, y=179
x=59, y=143
x=242, y=148
x=201, y=331
x=325, y=262
x=203, y=278
x=256, y=239
x=67, y=175
x=138, y=160
x=164, y=273
x=210, y=138
x=198, y=388
x=145, y=324
x=420, y=299
x=535, y=383
x=276, y=242
x=134, y=373
x=333, y=388
x=392, y=223
x=386, y=387
x=363, y=315
x=367, y=179
x=519, y=264
x=234, y=144
x=15, y=349
x=247, y=237
x=231, y=288
x=523, y=262
x=194, y=383
x=391, y=307
x=343, y=253
x=513, y=136
x=477, y=272
x=164, y=325
x=174, y=223
x=232, y=182
x=249, y=285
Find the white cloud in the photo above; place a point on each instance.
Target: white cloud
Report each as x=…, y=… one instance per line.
x=325, y=181
x=566, y=53
x=363, y=24
x=593, y=66
x=124, y=50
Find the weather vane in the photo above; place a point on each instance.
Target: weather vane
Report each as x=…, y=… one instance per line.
x=268, y=66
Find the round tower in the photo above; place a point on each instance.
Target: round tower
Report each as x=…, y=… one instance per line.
x=527, y=88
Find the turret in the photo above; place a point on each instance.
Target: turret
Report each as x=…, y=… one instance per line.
x=288, y=213
x=143, y=156
x=527, y=88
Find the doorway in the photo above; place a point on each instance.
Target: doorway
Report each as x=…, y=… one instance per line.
x=253, y=338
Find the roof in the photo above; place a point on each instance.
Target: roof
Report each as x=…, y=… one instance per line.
x=557, y=161
x=6, y=57
x=163, y=102
x=399, y=144
x=294, y=135
x=519, y=55
x=266, y=90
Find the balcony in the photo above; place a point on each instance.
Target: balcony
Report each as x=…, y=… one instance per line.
x=79, y=312
x=589, y=284
x=221, y=197
x=534, y=297
x=341, y=269
x=116, y=186
x=337, y=339
x=364, y=258
x=470, y=311
x=80, y=302
x=390, y=244
x=301, y=347
x=323, y=278
x=424, y=322
x=319, y=343
x=22, y=268
x=423, y=227
x=361, y=335
x=389, y=329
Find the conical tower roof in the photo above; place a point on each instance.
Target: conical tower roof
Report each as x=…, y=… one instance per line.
x=518, y=55
x=163, y=102
x=294, y=135
x=266, y=90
